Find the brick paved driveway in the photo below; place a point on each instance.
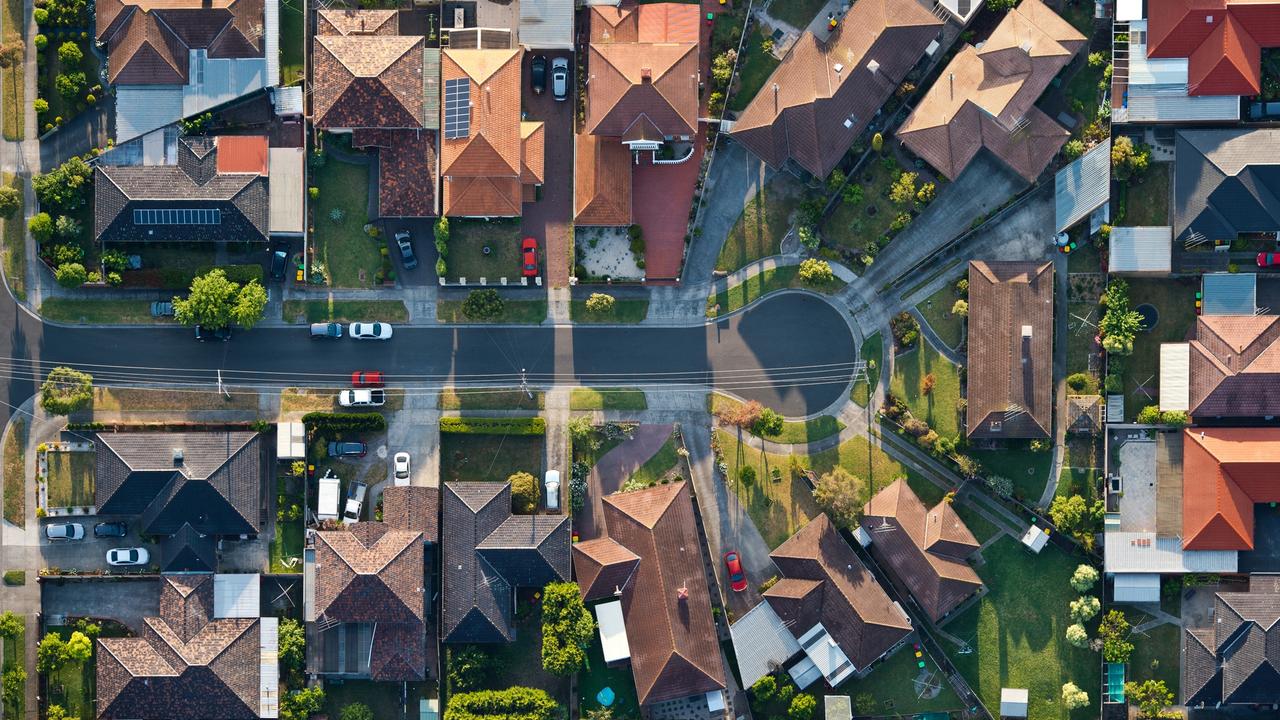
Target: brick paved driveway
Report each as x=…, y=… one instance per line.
x=549, y=218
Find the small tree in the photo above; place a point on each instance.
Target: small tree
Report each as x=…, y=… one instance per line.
x=11, y=625
x=877, y=142
x=747, y=476
x=600, y=303
x=524, y=493
x=838, y=493
x=215, y=302
x=567, y=629
x=926, y=384
x=66, y=390
x=903, y=191
x=1151, y=697
x=1114, y=631
x=961, y=308
x=769, y=423
x=744, y=415
x=10, y=201
x=1084, y=608
x=802, y=707
x=483, y=304
x=69, y=85
x=1072, y=696
x=41, y=226
x=1083, y=578
x=292, y=645
x=765, y=689
x=355, y=711
x=79, y=648
x=70, y=54
x=1077, y=636
x=51, y=653
x=14, y=681
x=301, y=704
x=815, y=272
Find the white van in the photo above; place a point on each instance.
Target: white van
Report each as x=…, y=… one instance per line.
x=552, y=481
x=327, y=502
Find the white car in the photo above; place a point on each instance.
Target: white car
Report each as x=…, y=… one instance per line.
x=362, y=398
x=64, y=531
x=400, y=463
x=369, y=331
x=128, y=556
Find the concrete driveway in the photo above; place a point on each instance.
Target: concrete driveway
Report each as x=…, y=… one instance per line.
x=126, y=599
x=89, y=553
x=548, y=220
x=423, y=240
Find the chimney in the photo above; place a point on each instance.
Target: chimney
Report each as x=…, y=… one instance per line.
x=682, y=593
x=646, y=75
x=873, y=66
x=1026, y=344
x=177, y=457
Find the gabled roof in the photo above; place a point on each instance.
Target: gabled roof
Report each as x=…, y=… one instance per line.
x=368, y=81
x=603, y=566
x=826, y=582
x=925, y=549
x=1010, y=350
x=346, y=21
x=602, y=182
x=649, y=23
x=666, y=604
x=801, y=110
x=413, y=507
x=1236, y=658
x=1225, y=471
x=986, y=97
x=1235, y=366
x=188, y=551
x=149, y=42
x=1226, y=182
x=215, y=489
x=1222, y=40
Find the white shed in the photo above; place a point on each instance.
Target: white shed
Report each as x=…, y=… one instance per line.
x=1136, y=588
x=1013, y=702
x=291, y=441
x=1035, y=538
x=1175, y=376
x=613, y=633
x=1141, y=250
x=236, y=596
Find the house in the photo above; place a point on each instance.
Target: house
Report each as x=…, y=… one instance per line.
x=1225, y=472
x=1226, y=372
x=650, y=555
x=924, y=549
x=184, y=57
x=1157, y=89
x=207, y=655
x=491, y=159
x=1010, y=350
x=367, y=602
x=1225, y=182
x=208, y=481
x=986, y=97
x=215, y=191
x=490, y=553
x=1234, y=658
x=1222, y=41
x=384, y=89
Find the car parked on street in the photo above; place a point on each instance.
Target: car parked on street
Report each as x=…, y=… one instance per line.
x=369, y=331
x=110, y=529
x=560, y=79
x=538, y=74
x=355, y=501
x=366, y=379
x=400, y=468
x=362, y=398
x=204, y=334
x=121, y=557
x=404, y=241
x=322, y=331
x=64, y=531
x=737, y=576
x=1269, y=259
x=529, y=257
x=347, y=448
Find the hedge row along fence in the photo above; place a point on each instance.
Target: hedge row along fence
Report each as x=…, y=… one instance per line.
x=493, y=426
x=346, y=422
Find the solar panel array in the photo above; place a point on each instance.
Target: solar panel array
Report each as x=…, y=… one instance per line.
x=199, y=216
x=457, y=108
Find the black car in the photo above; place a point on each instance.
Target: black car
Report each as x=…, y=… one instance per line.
x=110, y=529
x=321, y=331
x=279, y=259
x=347, y=449
x=405, y=242
x=538, y=74
x=204, y=334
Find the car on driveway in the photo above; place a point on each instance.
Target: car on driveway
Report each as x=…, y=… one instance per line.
x=400, y=468
x=529, y=257
x=362, y=398
x=204, y=334
x=737, y=576
x=279, y=259
x=64, y=531
x=404, y=241
x=347, y=448
x=110, y=529
x=128, y=556
x=538, y=74
x=322, y=331
x=366, y=379
x=1269, y=259
x=560, y=79
x=355, y=501
x=369, y=331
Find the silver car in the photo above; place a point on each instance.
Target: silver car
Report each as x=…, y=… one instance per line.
x=560, y=79
x=64, y=531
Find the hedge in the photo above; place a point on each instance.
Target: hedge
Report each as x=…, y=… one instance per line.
x=176, y=278
x=346, y=422
x=493, y=426
x=15, y=577
x=514, y=703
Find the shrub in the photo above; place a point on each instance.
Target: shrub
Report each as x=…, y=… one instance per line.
x=62, y=254
x=69, y=85
x=1083, y=578
x=600, y=303
x=41, y=17
x=333, y=423
x=1084, y=608
x=67, y=227
x=313, y=193
x=469, y=665
x=1072, y=696
x=41, y=105
x=41, y=41
x=1176, y=418
x=51, y=653
x=808, y=237
x=1149, y=415
x=636, y=235
x=567, y=628
x=926, y=383
x=114, y=260
x=903, y=191
x=802, y=707
x=906, y=330
x=11, y=624
x=747, y=475
x=960, y=308
x=355, y=711
x=442, y=268
x=41, y=226
x=816, y=272
x=838, y=494
x=1113, y=384
x=1073, y=149
x=70, y=54
x=877, y=142
x=483, y=305
x=71, y=275
x=15, y=577
x=492, y=426
x=769, y=423
x=337, y=216
x=513, y=703
x=1077, y=636
x=765, y=689
x=524, y=493
x=1082, y=383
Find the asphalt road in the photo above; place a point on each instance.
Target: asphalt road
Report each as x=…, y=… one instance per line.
x=790, y=352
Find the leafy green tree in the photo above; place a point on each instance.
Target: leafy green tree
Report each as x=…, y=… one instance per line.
x=722, y=67
x=10, y=201
x=1149, y=415
x=79, y=648
x=355, y=711
x=51, y=653
x=250, y=304
x=765, y=689
x=469, y=665
x=483, y=304
x=70, y=54
x=70, y=84
x=960, y=308
x=513, y=703
x=567, y=629
x=1072, y=696
x=292, y=645
x=41, y=226
x=67, y=227
x=1073, y=149
x=903, y=191
x=816, y=272
x=1114, y=631
x=301, y=704
x=837, y=493
x=600, y=303
x=11, y=625
x=1084, y=608
x=1076, y=517
x=524, y=493
x=1084, y=577
x=802, y=707
x=769, y=423
x=1151, y=697
x=64, y=188
x=215, y=302
x=66, y=390
x=14, y=682
x=55, y=712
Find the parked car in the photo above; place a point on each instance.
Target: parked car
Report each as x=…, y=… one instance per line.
x=404, y=241
x=326, y=330
x=279, y=259
x=64, y=531
x=538, y=74
x=355, y=501
x=529, y=257
x=128, y=556
x=737, y=577
x=560, y=79
x=1268, y=259
x=204, y=334
x=110, y=529
x=366, y=379
x=362, y=398
x=369, y=331
x=400, y=465
x=347, y=448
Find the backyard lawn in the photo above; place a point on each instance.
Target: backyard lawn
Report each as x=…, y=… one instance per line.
x=1147, y=202
x=489, y=399
x=521, y=660
x=607, y=399
x=513, y=311
x=936, y=310
x=292, y=38
x=70, y=478
x=763, y=223
x=116, y=312
x=893, y=685
x=331, y=310
x=468, y=240
x=15, y=473
x=1028, y=470
x=1174, y=300
x=982, y=528
x=350, y=257
x=797, y=13
x=793, y=432
x=939, y=406
x=623, y=312
x=1017, y=632
x=15, y=247
x=382, y=699
x=754, y=67
x=761, y=284
x=873, y=352
x=491, y=458
x=1155, y=652
x=598, y=677
x=286, y=547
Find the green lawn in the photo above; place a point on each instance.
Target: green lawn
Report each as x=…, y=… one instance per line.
x=382, y=698
x=873, y=352
x=489, y=399
x=763, y=223
x=938, y=408
x=761, y=284
x=292, y=39
x=1174, y=299
x=754, y=67
x=892, y=685
x=520, y=660
x=1082, y=94
x=855, y=225
x=657, y=466
x=513, y=311
x=597, y=677
x=936, y=310
x=1155, y=652
x=70, y=478
x=333, y=310
x=351, y=258
x=469, y=238
x=797, y=13
x=15, y=473
x=1016, y=632
x=623, y=312
x=607, y=399
x=15, y=95
x=287, y=545
x=72, y=685
x=1028, y=470
x=93, y=312
x=14, y=651
x=793, y=432
x=1078, y=481
x=982, y=528
x=15, y=246
x=1147, y=201
x=491, y=458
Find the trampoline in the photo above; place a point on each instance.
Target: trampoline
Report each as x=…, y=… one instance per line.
x=1150, y=316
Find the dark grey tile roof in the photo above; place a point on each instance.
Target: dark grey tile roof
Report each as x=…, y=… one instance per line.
x=188, y=551
x=1236, y=659
x=1226, y=182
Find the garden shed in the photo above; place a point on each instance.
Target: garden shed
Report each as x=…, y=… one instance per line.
x=1083, y=187
x=1228, y=293
x=1141, y=250
x=1035, y=538
x=1013, y=702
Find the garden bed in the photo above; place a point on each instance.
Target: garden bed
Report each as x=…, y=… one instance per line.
x=754, y=68
x=63, y=109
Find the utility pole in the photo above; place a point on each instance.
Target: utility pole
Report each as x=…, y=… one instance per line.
x=524, y=383
x=222, y=388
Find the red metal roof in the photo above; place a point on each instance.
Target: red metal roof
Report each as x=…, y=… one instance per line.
x=242, y=154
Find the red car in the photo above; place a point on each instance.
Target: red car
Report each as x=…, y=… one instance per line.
x=366, y=379
x=529, y=257
x=1269, y=259
x=737, y=577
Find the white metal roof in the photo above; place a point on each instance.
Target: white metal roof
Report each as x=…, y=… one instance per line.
x=1175, y=376
x=1083, y=186
x=225, y=79
x=826, y=653
x=1128, y=10
x=286, y=191
x=288, y=100
x=1141, y=249
x=269, y=667
x=1131, y=552
x=761, y=643
x=961, y=9
x=236, y=596
x=143, y=108
x=291, y=441
x=546, y=24
x=1227, y=293
x=613, y=632
x=1136, y=588
x=1164, y=104
x=1013, y=702
x=1152, y=71
x=271, y=38
x=804, y=673
x=1035, y=538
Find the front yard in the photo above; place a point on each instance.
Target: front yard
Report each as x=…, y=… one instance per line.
x=1028, y=469
x=938, y=407
x=754, y=68
x=529, y=312
x=70, y=481
x=487, y=249
x=331, y=310
x=761, y=284
x=624, y=312
x=936, y=310
x=865, y=215
x=350, y=258
x=764, y=222
x=491, y=458
x=13, y=79
x=15, y=246
x=1174, y=300
x=63, y=108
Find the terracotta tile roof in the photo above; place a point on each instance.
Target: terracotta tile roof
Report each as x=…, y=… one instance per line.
x=532, y=143
x=667, y=604
x=650, y=23
x=657, y=82
x=602, y=181
x=413, y=507
x=1225, y=471
x=853, y=607
x=406, y=174
x=372, y=81
x=1010, y=374
x=1221, y=39
x=926, y=550
x=985, y=98
x=341, y=21
x=1235, y=659
x=800, y=112
x=148, y=42
x=602, y=566
x=1235, y=366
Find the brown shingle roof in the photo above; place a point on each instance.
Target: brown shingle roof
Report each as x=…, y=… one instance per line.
x=1010, y=374
x=985, y=98
x=335, y=21
x=800, y=112
x=148, y=42
x=1235, y=366
x=602, y=182
x=372, y=81
x=853, y=608
x=413, y=507
x=406, y=174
